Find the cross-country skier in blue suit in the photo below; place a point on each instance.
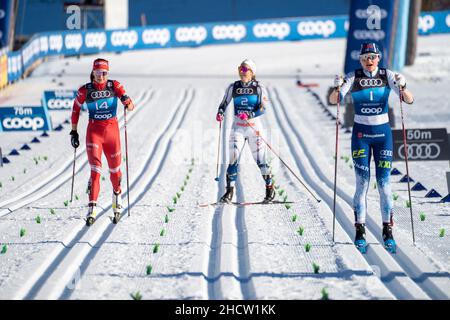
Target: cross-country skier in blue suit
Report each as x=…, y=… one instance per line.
x=370, y=87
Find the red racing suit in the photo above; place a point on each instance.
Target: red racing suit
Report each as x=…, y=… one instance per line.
x=102, y=132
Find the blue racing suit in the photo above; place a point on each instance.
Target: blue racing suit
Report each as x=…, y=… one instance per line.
x=371, y=135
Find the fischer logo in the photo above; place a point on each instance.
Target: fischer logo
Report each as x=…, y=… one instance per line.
x=95, y=40
x=271, y=30
x=124, y=38
x=369, y=34
x=370, y=82
x=24, y=123
x=56, y=43
x=160, y=36
x=365, y=14
x=235, y=32
x=319, y=27
x=194, y=34
x=59, y=103
x=427, y=22
x=73, y=41
x=371, y=110
x=244, y=91
x=100, y=94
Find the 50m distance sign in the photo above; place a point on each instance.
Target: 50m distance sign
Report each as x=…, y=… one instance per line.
x=422, y=145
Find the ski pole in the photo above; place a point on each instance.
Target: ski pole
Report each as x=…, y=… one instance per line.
x=126, y=160
x=73, y=172
x=218, y=152
x=318, y=200
x=405, y=147
x=336, y=158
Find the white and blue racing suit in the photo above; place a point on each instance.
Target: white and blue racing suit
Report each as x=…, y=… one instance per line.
x=371, y=134
x=250, y=98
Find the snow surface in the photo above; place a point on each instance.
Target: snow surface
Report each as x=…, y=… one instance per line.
x=229, y=252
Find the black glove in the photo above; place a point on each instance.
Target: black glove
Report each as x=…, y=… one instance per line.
x=74, y=139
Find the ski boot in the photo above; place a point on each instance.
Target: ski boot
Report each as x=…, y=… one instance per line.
x=228, y=196
x=92, y=213
x=360, y=237
x=116, y=206
x=270, y=193
x=389, y=242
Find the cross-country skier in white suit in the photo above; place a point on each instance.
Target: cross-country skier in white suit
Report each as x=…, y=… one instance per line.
x=250, y=102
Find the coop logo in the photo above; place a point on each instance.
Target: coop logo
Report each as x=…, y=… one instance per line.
x=191, y=34
x=371, y=110
x=43, y=42
x=23, y=123
x=103, y=116
x=320, y=28
x=420, y=151
x=95, y=40
x=124, y=38
x=447, y=20
x=59, y=103
x=271, y=30
x=365, y=14
x=159, y=36
x=369, y=34
x=234, y=32
x=73, y=41
x=100, y=94
x=55, y=43
x=244, y=91
x=426, y=23
x=370, y=82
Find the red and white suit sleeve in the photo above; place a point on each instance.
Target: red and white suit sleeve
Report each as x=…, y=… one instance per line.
x=119, y=89
x=77, y=103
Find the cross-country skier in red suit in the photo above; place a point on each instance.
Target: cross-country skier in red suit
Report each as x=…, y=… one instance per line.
x=100, y=96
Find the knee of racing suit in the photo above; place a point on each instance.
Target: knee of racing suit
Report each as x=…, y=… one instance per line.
x=94, y=183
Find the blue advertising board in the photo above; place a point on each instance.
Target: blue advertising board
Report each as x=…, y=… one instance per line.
x=58, y=99
x=24, y=118
x=5, y=17
x=369, y=21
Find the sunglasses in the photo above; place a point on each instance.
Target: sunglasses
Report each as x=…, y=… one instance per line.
x=244, y=69
x=99, y=73
x=369, y=56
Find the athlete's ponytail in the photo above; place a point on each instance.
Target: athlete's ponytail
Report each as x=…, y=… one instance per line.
x=92, y=76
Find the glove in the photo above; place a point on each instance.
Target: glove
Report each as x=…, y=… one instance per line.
x=243, y=116
x=127, y=102
x=219, y=116
x=338, y=81
x=400, y=81
x=74, y=139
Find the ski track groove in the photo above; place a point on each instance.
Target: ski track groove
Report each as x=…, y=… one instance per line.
x=372, y=256
x=64, y=252
x=55, y=180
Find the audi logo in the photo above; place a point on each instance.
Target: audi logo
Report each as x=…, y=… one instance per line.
x=73, y=41
x=234, y=32
x=100, y=94
x=369, y=34
x=56, y=43
x=426, y=23
x=371, y=110
x=195, y=34
x=271, y=30
x=244, y=91
x=158, y=36
x=124, y=38
x=386, y=153
x=321, y=28
x=420, y=151
x=370, y=82
x=95, y=40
